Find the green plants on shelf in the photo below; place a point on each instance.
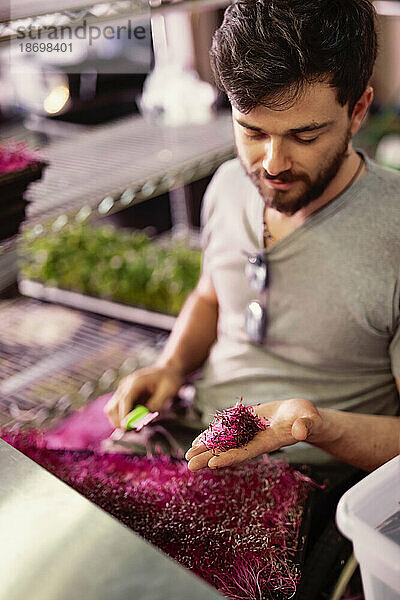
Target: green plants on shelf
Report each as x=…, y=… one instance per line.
x=102, y=261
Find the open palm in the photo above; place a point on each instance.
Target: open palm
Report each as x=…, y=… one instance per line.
x=290, y=421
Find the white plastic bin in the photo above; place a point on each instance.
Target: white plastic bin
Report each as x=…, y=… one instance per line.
x=360, y=511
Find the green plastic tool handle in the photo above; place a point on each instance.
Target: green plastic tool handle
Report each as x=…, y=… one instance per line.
x=135, y=415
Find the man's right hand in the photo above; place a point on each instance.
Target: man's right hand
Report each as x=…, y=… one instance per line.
x=151, y=386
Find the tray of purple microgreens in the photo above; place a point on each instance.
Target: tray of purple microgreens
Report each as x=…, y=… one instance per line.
x=240, y=528
x=19, y=166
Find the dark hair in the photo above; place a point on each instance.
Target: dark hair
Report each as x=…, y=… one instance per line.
x=266, y=51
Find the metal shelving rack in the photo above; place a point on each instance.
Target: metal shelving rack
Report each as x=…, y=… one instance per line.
x=116, y=165
x=76, y=357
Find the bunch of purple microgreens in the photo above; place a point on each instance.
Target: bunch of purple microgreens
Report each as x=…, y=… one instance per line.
x=233, y=428
x=238, y=528
x=15, y=156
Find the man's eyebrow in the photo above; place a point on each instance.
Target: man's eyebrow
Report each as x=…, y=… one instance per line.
x=247, y=126
x=310, y=127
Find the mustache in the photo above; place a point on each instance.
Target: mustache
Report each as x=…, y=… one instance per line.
x=284, y=176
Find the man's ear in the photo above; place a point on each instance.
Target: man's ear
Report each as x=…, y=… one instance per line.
x=361, y=108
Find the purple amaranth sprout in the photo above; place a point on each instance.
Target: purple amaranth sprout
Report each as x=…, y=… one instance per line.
x=233, y=428
x=15, y=156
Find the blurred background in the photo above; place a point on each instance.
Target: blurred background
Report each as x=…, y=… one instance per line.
x=106, y=149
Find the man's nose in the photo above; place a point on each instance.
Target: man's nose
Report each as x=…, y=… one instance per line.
x=275, y=159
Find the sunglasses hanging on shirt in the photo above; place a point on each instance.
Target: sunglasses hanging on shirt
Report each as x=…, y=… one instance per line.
x=256, y=271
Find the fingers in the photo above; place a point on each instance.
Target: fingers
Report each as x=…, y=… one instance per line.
x=164, y=391
x=199, y=457
x=301, y=428
x=111, y=410
x=150, y=386
x=195, y=450
x=123, y=400
x=117, y=408
x=232, y=457
x=125, y=404
x=200, y=461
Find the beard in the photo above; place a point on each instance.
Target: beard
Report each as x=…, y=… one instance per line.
x=287, y=202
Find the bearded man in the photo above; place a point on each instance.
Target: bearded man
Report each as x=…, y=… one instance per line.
x=297, y=308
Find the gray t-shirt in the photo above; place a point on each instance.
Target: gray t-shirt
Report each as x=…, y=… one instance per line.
x=333, y=302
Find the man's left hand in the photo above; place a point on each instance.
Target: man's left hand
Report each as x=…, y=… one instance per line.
x=290, y=421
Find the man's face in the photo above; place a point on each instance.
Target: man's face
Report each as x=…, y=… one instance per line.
x=292, y=155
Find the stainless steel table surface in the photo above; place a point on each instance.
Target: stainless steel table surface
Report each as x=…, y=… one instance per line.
x=56, y=545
